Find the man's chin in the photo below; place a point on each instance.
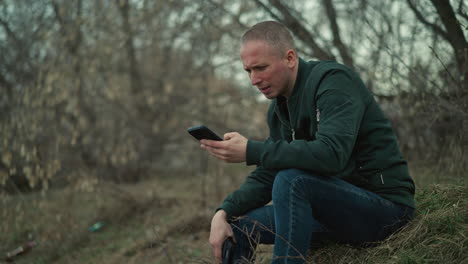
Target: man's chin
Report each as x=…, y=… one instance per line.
x=270, y=96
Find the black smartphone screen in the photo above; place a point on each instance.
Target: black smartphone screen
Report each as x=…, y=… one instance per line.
x=202, y=132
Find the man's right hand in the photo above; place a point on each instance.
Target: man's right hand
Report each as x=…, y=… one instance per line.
x=220, y=230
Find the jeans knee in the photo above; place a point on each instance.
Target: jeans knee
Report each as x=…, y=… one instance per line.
x=284, y=181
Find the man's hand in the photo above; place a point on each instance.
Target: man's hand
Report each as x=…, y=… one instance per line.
x=220, y=231
x=232, y=149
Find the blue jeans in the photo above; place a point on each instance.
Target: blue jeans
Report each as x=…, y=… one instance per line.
x=308, y=210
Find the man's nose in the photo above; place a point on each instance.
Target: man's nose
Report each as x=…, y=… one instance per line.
x=254, y=79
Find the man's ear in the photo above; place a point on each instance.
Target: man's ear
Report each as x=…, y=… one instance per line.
x=291, y=58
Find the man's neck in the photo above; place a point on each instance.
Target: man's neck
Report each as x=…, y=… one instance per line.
x=292, y=82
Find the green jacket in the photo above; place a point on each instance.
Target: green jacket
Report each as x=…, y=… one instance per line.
x=332, y=126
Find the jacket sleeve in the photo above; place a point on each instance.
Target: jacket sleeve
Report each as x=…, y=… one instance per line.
x=341, y=110
x=253, y=193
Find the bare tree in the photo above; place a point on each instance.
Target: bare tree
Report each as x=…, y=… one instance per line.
x=135, y=79
x=452, y=32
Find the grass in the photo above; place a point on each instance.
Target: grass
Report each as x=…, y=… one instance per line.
x=166, y=220
x=437, y=235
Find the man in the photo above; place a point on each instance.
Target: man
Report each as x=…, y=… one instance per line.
x=331, y=165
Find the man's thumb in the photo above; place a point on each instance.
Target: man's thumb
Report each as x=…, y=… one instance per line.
x=228, y=136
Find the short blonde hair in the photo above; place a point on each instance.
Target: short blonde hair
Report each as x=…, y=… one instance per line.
x=273, y=33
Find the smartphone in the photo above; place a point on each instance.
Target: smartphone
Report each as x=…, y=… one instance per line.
x=202, y=132
x=228, y=247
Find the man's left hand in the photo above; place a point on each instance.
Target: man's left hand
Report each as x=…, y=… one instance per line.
x=232, y=149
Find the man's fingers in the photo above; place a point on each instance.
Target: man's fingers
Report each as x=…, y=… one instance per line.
x=231, y=150
x=212, y=143
x=216, y=245
x=217, y=151
x=217, y=253
x=219, y=154
x=229, y=135
x=221, y=157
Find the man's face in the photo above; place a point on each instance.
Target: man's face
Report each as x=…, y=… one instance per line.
x=271, y=72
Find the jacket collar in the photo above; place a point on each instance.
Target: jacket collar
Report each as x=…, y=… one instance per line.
x=298, y=84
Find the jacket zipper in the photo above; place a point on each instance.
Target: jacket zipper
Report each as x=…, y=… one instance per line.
x=293, y=133
x=290, y=126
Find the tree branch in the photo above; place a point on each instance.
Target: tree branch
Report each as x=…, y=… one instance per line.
x=454, y=31
x=297, y=28
x=5, y=83
x=268, y=10
x=421, y=18
x=8, y=30
x=225, y=10
x=331, y=14
x=135, y=78
x=71, y=33
x=461, y=10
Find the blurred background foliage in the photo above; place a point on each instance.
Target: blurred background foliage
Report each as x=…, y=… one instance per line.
x=105, y=90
